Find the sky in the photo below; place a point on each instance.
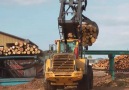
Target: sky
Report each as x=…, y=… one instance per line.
x=36, y=20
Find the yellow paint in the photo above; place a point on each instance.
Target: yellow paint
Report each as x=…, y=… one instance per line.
x=47, y=67
x=80, y=63
x=63, y=77
x=66, y=78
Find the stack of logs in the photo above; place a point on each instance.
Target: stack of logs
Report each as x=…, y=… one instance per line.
x=121, y=63
x=20, y=48
x=89, y=34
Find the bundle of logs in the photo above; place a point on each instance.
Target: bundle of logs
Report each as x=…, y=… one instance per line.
x=121, y=63
x=20, y=48
x=89, y=34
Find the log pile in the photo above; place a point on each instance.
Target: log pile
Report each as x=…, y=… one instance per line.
x=89, y=34
x=104, y=64
x=20, y=48
x=121, y=63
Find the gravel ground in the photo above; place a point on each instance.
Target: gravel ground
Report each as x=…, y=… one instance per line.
x=100, y=83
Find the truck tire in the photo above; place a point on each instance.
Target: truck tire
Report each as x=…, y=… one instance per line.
x=87, y=81
x=91, y=76
x=84, y=83
x=48, y=86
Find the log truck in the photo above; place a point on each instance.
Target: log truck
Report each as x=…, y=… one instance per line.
x=67, y=66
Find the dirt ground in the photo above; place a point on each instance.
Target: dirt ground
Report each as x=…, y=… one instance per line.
x=100, y=83
x=121, y=82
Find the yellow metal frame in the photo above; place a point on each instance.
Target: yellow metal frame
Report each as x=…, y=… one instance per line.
x=80, y=64
x=69, y=40
x=65, y=78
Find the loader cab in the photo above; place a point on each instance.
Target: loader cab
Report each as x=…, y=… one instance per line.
x=69, y=47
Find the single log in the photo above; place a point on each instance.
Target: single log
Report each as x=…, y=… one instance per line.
x=16, y=43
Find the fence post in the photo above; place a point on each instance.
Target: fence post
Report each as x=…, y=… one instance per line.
x=112, y=65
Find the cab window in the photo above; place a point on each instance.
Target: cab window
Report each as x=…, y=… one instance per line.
x=70, y=46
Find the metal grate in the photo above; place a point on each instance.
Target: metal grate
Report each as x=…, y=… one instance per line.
x=63, y=63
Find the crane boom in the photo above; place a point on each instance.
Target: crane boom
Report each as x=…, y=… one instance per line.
x=67, y=67
x=70, y=21
x=75, y=8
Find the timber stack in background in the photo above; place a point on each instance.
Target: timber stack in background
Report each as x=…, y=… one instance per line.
x=121, y=63
x=11, y=45
x=20, y=48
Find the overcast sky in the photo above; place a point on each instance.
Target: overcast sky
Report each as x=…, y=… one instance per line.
x=37, y=20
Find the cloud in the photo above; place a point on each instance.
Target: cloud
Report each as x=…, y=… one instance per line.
x=112, y=38
x=110, y=15
x=22, y=2
x=113, y=22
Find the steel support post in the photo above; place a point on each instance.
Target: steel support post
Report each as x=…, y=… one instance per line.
x=112, y=65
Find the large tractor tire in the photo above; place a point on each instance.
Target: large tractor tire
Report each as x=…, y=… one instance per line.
x=87, y=81
x=84, y=84
x=48, y=86
x=91, y=76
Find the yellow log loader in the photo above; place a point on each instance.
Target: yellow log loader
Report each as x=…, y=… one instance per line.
x=67, y=67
